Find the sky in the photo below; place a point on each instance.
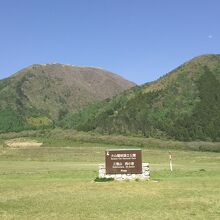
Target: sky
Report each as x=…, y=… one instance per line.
x=141, y=40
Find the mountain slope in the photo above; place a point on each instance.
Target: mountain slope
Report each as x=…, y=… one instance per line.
x=184, y=104
x=41, y=94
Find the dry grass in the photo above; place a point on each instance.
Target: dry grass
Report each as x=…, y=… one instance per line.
x=22, y=143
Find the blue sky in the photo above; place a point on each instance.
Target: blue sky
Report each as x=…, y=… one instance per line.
x=140, y=40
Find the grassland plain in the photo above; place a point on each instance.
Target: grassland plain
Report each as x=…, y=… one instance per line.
x=56, y=181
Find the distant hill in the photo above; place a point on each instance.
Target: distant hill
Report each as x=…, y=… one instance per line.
x=40, y=95
x=184, y=104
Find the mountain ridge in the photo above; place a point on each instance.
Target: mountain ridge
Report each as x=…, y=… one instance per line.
x=173, y=106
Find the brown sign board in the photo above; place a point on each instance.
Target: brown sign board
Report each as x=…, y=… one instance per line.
x=123, y=161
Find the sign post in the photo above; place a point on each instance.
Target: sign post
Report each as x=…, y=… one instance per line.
x=123, y=161
x=125, y=164
x=171, y=165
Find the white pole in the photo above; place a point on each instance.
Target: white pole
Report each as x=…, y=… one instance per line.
x=171, y=165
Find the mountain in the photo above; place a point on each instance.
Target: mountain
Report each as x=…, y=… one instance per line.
x=39, y=95
x=184, y=104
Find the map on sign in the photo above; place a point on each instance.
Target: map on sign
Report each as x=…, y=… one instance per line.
x=123, y=161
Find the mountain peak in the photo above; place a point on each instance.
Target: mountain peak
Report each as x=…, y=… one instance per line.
x=52, y=90
x=189, y=69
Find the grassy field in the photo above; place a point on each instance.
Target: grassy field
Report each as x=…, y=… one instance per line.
x=56, y=181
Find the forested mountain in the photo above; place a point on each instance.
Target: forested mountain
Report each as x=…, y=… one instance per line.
x=39, y=95
x=184, y=104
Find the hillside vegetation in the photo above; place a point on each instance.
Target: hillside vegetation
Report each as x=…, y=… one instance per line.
x=184, y=105
x=37, y=96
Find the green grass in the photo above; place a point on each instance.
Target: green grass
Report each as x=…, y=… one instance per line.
x=56, y=181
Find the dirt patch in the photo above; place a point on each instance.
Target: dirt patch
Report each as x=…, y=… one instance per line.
x=21, y=143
